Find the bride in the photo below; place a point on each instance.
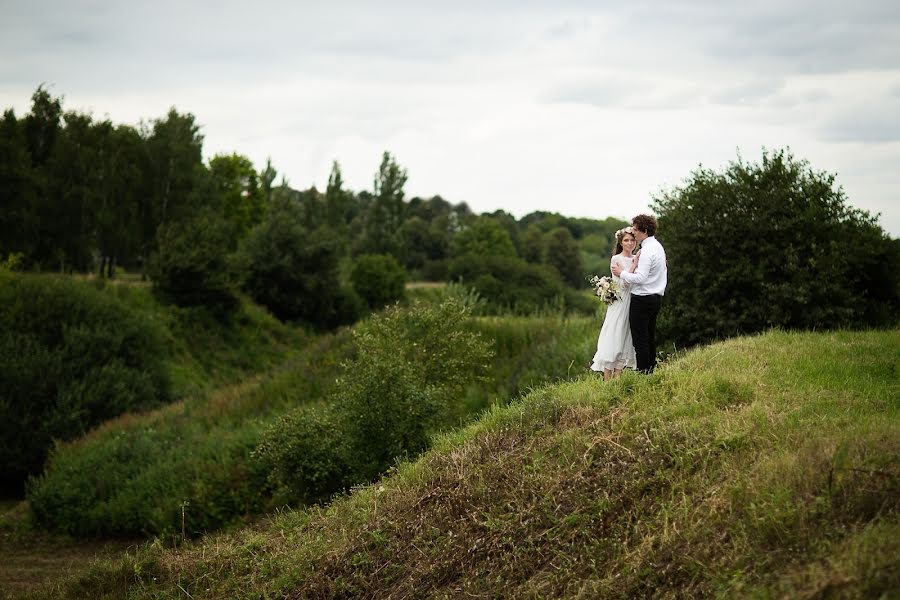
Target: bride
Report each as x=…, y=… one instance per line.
x=615, y=350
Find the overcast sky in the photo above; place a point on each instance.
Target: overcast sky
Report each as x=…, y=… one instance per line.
x=583, y=108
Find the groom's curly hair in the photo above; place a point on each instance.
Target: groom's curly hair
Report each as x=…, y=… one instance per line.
x=646, y=223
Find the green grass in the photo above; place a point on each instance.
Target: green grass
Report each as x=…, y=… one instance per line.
x=766, y=466
x=204, y=352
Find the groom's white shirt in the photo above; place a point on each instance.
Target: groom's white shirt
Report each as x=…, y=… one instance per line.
x=652, y=274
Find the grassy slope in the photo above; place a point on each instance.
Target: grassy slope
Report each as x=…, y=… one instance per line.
x=203, y=355
x=758, y=467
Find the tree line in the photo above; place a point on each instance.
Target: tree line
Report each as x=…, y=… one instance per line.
x=81, y=194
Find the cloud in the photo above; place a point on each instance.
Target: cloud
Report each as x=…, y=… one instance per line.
x=579, y=106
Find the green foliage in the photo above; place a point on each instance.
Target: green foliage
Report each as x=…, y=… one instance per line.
x=378, y=279
x=406, y=381
x=70, y=358
x=384, y=217
x=412, y=366
x=293, y=271
x=198, y=450
x=788, y=252
x=508, y=283
x=190, y=267
x=484, y=237
x=237, y=184
x=563, y=255
x=132, y=476
x=305, y=455
x=532, y=241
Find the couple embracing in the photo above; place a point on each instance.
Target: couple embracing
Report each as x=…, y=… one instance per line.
x=628, y=336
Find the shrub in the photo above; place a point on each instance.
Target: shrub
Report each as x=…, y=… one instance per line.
x=293, y=271
x=304, y=456
x=407, y=380
x=378, y=279
x=792, y=254
x=509, y=283
x=190, y=267
x=71, y=356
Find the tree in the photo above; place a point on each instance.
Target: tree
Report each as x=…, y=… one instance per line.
x=787, y=251
x=293, y=270
x=16, y=189
x=563, y=255
x=532, y=240
x=174, y=170
x=378, y=279
x=385, y=214
x=337, y=200
x=485, y=237
x=42, y=125
x=190, y=267
x=267, y=179
x=237, y=184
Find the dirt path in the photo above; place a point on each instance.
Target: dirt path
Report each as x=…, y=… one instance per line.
x=29, y=559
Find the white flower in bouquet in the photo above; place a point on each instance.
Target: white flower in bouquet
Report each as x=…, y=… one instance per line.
x=605, y=288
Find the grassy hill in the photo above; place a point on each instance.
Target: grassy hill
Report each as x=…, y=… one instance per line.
x=766, y=466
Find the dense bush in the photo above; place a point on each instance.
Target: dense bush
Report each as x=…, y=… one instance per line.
x=485, y=236
x=787, y=251
x=509, y=283
x=190, y=268
x=70, y=357
x=407, y=380
x=562, y=253
x=378, y=279
x=293, y=271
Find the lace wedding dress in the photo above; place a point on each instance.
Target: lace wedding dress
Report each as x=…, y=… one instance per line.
x=614, y=347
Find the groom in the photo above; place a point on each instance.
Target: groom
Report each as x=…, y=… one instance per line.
x=648, y=284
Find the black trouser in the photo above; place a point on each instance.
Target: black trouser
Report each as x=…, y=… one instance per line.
x=642, y=316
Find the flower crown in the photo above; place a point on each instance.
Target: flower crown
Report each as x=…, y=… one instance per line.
x=620, y=233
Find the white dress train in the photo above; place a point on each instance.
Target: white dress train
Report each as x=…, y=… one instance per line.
x=615, y=349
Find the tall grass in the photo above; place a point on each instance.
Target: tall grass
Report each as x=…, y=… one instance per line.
x=758, y=467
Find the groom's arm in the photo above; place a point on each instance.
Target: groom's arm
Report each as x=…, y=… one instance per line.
x=641, y=273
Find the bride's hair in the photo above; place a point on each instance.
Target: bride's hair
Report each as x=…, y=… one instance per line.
x=620, y=235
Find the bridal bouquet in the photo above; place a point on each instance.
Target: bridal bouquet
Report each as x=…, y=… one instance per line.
x=605, y=289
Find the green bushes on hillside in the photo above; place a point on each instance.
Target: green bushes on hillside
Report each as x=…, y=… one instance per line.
x=132, y=476
x=70, y=358
x=407, y=380
x=510, y=285
x=378, y=279
x=201, y=450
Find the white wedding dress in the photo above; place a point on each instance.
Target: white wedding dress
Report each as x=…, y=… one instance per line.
x=614, y=347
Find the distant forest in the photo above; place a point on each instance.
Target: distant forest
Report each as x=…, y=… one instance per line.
x=79, y=194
